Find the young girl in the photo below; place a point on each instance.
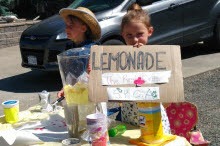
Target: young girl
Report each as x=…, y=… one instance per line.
x=135, y=29
x=82, y=28
x=134, y=6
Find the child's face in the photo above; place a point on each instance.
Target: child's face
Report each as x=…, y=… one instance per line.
x=136, y=33
x=75, y=29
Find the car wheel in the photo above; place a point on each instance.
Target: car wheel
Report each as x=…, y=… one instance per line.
x=113, y=42
x=214, y=43
x=217, y=35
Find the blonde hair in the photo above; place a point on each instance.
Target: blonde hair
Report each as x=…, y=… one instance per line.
x=135, y=14
x=134, y=6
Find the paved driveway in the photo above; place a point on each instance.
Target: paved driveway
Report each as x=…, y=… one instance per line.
x=20, y=83
x=198, y=58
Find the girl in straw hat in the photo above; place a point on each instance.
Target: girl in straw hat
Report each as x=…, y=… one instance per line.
x=82, y=28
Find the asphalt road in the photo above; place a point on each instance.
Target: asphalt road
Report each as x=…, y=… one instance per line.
x=201, y=70
x=204, y=91
x=21, y=83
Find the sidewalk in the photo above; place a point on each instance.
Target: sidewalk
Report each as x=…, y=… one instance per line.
x=199, y=64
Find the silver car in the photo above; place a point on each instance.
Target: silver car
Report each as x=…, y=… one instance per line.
x=175, y=22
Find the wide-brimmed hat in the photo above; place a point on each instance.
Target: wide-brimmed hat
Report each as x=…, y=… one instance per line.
x=86, y=16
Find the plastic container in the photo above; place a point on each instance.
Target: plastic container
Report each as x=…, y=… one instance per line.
x=71, y=142
x=73, y=70
x=75, y=117
x=44, y=98
x=97, y=127
x=150, y=122
x=117, y=130
x=11, y=111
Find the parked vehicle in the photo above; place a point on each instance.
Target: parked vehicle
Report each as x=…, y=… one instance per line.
x=176, y=22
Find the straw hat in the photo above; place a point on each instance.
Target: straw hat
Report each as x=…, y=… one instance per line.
x=86, y=16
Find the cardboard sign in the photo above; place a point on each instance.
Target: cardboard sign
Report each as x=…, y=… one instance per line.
x=124, y=67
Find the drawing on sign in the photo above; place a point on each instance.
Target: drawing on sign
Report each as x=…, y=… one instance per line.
x=119, y=93
x=139, y=81
x=140, y=94
x=133, y=93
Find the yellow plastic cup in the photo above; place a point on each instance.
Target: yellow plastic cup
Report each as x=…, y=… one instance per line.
x=11, y=111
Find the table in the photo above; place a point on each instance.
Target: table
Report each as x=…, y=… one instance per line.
x=48, y=129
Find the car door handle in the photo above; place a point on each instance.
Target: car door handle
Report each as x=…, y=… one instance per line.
x=173, y=6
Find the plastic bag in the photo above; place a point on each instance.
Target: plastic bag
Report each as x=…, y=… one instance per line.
x=73, y=66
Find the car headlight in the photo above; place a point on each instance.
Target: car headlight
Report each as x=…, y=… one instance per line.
x=61, y=36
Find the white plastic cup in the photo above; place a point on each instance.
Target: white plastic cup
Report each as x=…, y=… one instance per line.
x=97, y=127
x=44, y=97
x=11, y=111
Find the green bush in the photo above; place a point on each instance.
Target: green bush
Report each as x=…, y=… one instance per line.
x=4, y=7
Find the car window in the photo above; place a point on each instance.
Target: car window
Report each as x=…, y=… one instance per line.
x=96, y=5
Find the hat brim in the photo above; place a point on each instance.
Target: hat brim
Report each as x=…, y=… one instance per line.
x=87, y=18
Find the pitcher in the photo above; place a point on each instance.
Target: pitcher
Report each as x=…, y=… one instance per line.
x=73, y=70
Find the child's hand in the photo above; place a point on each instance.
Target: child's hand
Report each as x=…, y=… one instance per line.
x=138, y=45
x=89, y=67
x=60, y=93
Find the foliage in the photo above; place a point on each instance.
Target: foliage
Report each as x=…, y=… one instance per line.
x=4, y=7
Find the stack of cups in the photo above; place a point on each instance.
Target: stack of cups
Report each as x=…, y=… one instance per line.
x=97, y=127
x=11, y=111
x=150, y=122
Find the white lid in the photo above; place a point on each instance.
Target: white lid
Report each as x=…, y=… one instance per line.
x=10, y=103
x=71, y=142
x=44, y=94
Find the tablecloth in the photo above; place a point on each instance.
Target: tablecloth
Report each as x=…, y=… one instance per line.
x=34, y=127
x=48, y=129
